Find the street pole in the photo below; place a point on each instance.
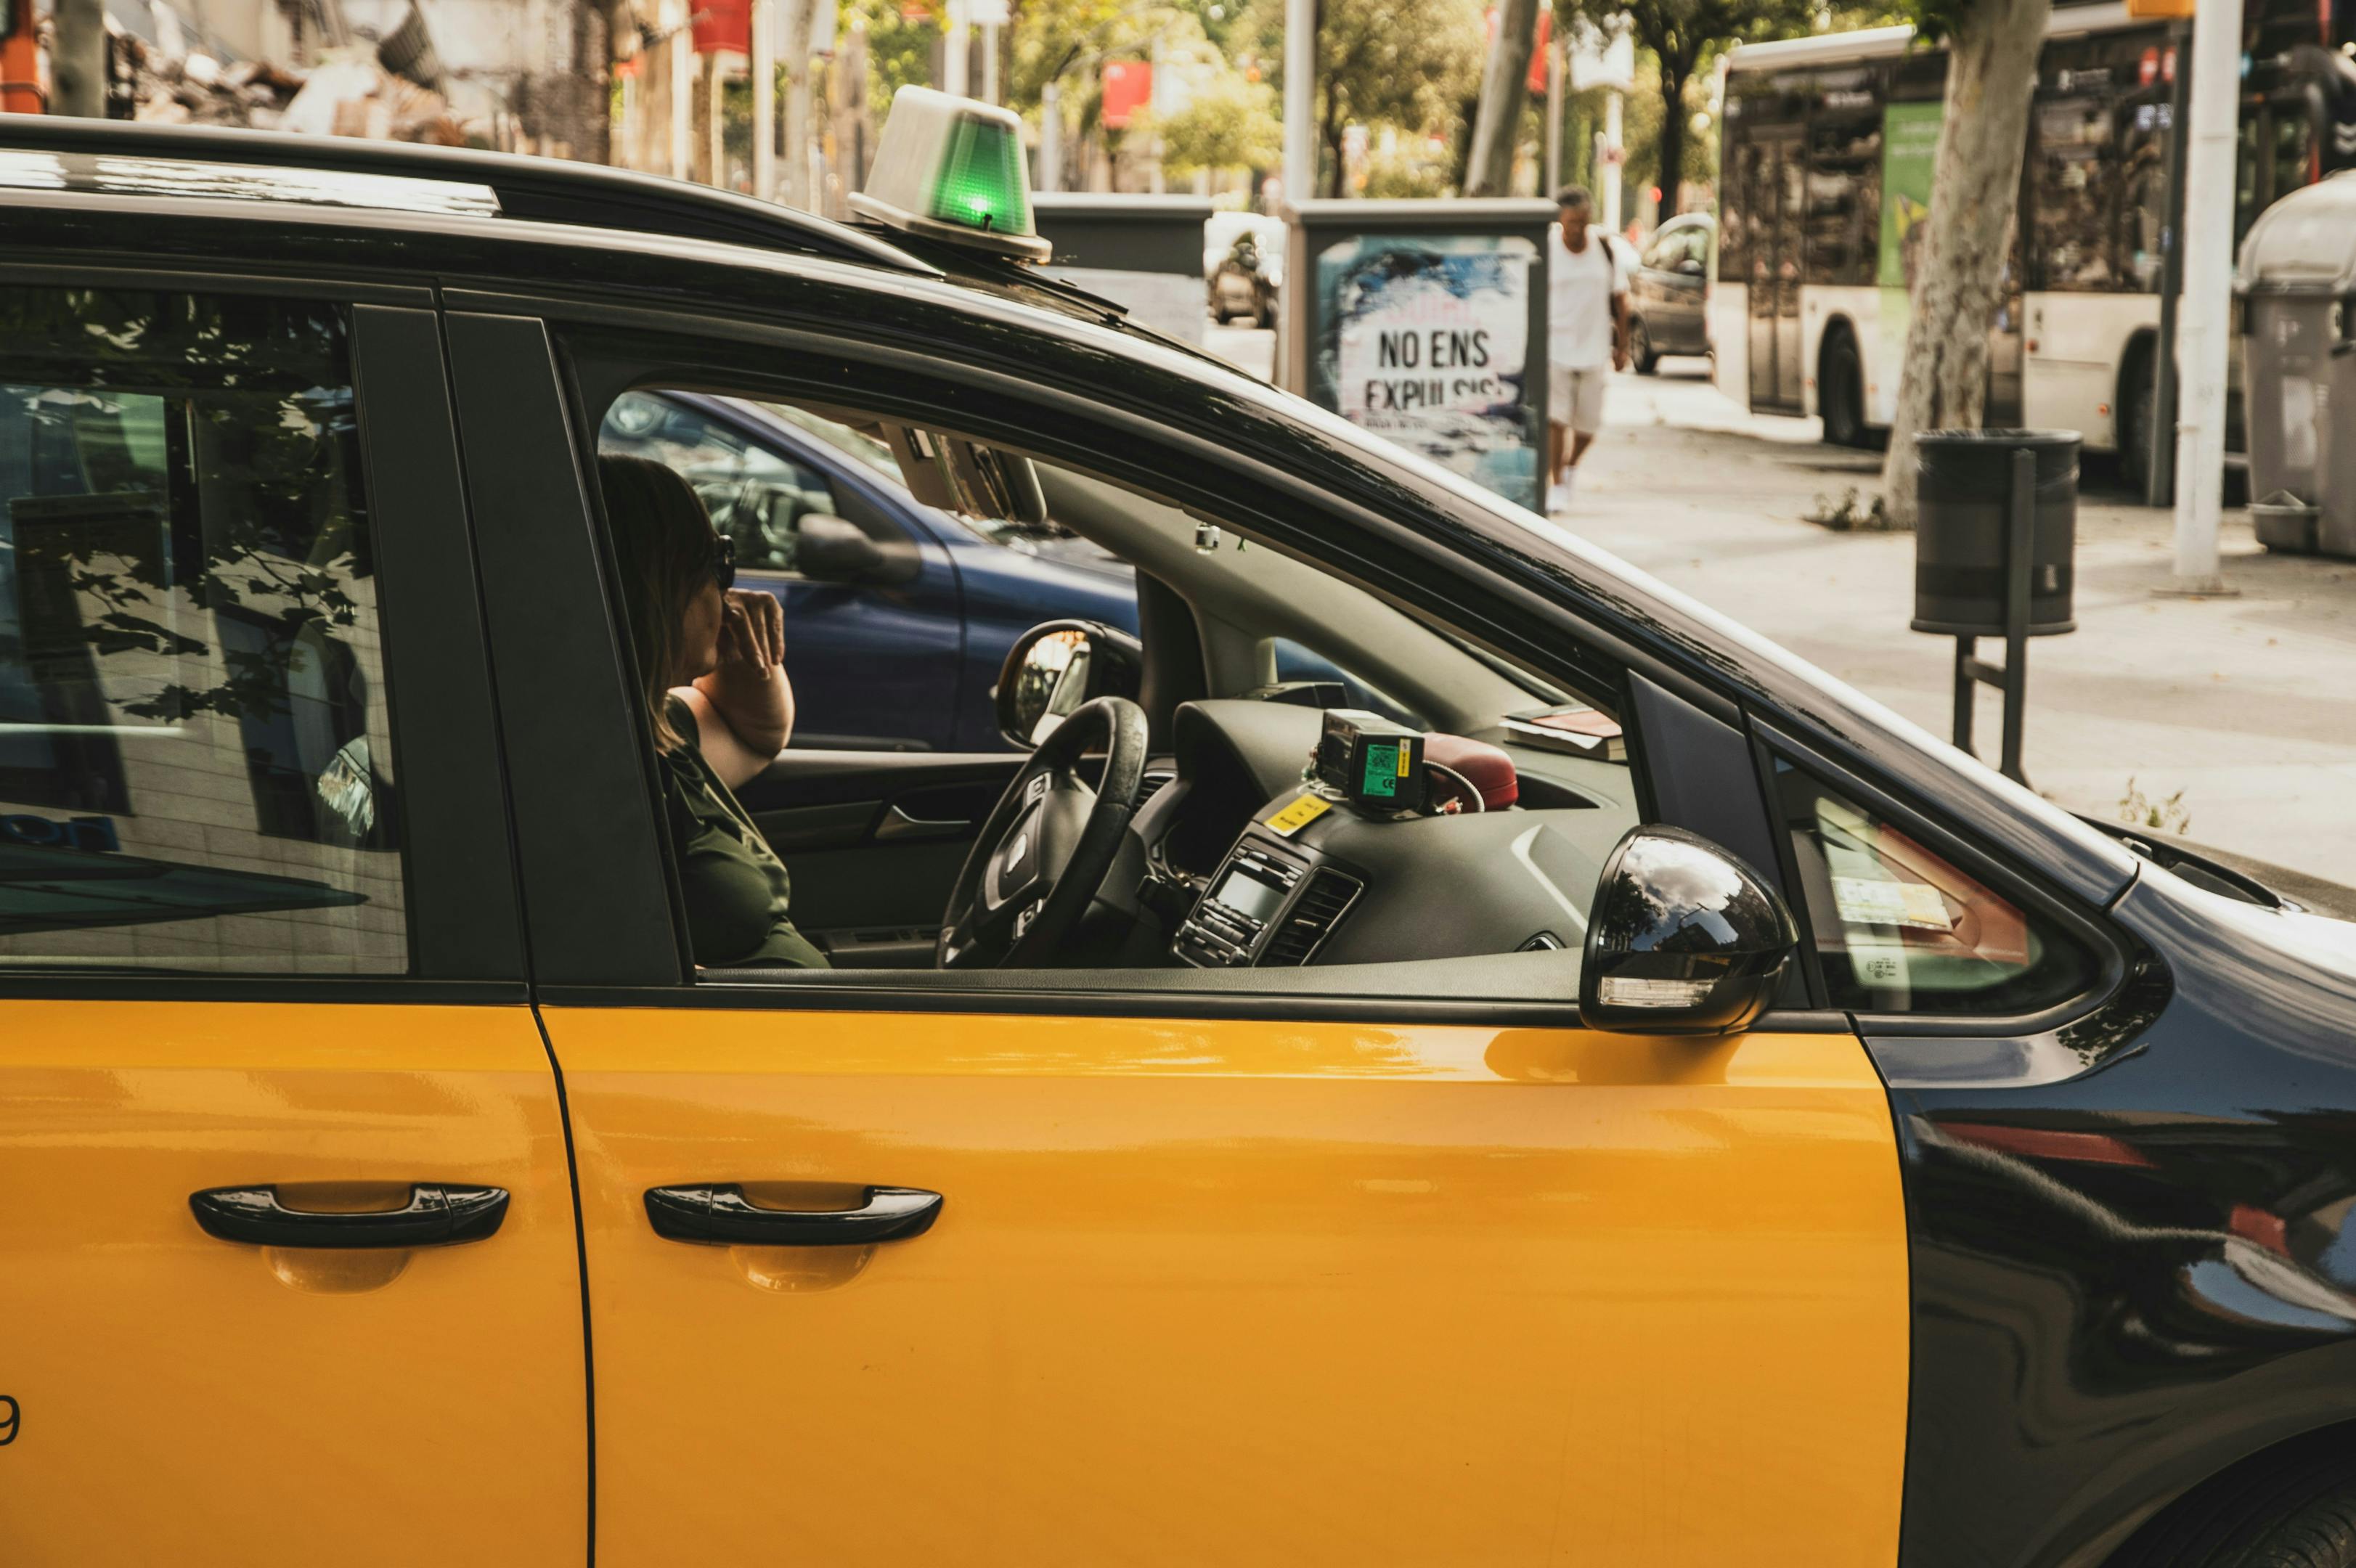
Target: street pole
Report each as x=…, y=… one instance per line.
x=1300, y=100
x=683, y=100
x=78, y=60
x=1608, y=175
x=765, y=98
x=1299, y=185
x=2159, y=478
x=2201, y=320
x=1051, y=138
x=1557, y=75
x=989, y=62
x=957, y=53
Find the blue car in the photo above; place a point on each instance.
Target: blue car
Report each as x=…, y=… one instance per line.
x=894, y=646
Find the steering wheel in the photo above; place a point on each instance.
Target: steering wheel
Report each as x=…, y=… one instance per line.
x=1047, y=843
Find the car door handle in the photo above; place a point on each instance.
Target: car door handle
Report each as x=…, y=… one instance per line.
x=898, y=824
x=721, y=1215
x=436, y=1215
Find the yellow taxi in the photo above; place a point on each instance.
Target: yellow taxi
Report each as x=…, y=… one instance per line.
x=1582, y=1088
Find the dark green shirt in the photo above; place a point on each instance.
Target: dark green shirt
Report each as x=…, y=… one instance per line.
x=735, y=887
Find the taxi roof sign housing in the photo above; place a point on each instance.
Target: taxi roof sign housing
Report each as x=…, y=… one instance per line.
x=951, y=168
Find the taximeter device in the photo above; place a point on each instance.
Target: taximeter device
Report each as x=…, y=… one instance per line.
x=1373, y=764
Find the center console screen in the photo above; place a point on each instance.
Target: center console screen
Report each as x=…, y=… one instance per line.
x=1248, y=895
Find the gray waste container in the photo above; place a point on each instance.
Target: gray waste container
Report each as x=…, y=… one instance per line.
x=2297, y=281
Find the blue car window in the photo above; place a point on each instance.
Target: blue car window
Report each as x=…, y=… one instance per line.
x=756, y=497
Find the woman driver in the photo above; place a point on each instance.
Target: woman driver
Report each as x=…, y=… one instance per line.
x=712, y=657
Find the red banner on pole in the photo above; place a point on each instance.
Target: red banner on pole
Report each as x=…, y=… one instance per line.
x=722, y=26
x=1127, y=87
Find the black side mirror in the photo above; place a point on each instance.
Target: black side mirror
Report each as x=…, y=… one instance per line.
x=828, y=549
x=1056, y=667
x=1682, y=939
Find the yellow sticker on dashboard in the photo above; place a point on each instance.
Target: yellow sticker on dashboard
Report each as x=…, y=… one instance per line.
x=1298, y=815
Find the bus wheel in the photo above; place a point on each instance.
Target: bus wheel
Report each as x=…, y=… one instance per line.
x=1841, y=391
x=1640, y=352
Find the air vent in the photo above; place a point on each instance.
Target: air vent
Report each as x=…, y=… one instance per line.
x=1322, y=903
x=1151, y=786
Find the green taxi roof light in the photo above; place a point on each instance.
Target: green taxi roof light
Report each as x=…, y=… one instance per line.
x=952, y=168
x=980, y=178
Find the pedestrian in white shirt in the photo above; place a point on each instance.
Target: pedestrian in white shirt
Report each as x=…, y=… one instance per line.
x=1586, y=337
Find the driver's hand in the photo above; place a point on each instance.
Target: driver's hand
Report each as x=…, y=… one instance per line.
x=752, y=633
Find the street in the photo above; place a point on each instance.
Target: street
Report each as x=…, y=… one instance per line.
x=2235, y=716
x=2241, y=705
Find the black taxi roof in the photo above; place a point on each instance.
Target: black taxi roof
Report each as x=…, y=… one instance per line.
x=120, y=157
x=275, y=168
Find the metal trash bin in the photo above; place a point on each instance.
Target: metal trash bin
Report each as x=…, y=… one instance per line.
x=2296, y=286
x=1962, y=538
x=1996, y=533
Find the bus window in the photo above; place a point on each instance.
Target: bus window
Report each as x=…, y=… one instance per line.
x=1844, y=211
x=1734, y=210
x=2073, y=193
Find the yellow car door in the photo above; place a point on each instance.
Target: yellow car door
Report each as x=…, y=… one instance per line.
x=1000, y=1276
x=1264, y=1290
x=288, y=1265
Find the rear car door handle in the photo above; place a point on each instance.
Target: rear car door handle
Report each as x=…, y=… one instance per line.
x=721, y=1215
x=436, y=1215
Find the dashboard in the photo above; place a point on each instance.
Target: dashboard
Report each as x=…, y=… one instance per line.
x=1265, y=874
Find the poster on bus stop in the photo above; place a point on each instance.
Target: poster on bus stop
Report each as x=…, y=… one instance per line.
x=1425, y=341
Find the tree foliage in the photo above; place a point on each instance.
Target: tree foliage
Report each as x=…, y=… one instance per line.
x=1983, y=129
x=1680, y=35
x=1229, y=123
x=1414, y=65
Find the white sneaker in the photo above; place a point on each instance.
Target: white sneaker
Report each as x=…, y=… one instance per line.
x=1557, y=497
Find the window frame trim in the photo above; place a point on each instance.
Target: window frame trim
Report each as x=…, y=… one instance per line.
x=500, y=976
x=734, y=354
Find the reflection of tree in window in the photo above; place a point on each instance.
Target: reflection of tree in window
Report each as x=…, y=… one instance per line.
x=307, y=750
x=183, y=565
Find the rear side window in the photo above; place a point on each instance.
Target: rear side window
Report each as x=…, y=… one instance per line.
x=1901, y=929
x=196, y=770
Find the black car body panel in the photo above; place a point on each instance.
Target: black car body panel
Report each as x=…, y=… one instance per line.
x=2131, y=1277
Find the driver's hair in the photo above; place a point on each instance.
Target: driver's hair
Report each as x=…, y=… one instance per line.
x=662, y=547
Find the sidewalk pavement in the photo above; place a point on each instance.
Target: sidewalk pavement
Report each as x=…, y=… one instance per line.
x=2246, y=705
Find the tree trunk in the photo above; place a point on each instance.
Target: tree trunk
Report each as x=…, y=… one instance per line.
x=1991, y=67
x=1328, y=179
x=1504, y=91
x=1673, y=138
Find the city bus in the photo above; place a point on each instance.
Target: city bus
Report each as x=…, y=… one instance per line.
x=1825, y=190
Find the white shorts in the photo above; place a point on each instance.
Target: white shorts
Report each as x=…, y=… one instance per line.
x=1575, y=397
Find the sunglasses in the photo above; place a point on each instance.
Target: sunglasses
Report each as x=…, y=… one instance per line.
x=723, y=561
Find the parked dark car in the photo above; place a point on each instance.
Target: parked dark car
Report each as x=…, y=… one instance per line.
x=1669, y=300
